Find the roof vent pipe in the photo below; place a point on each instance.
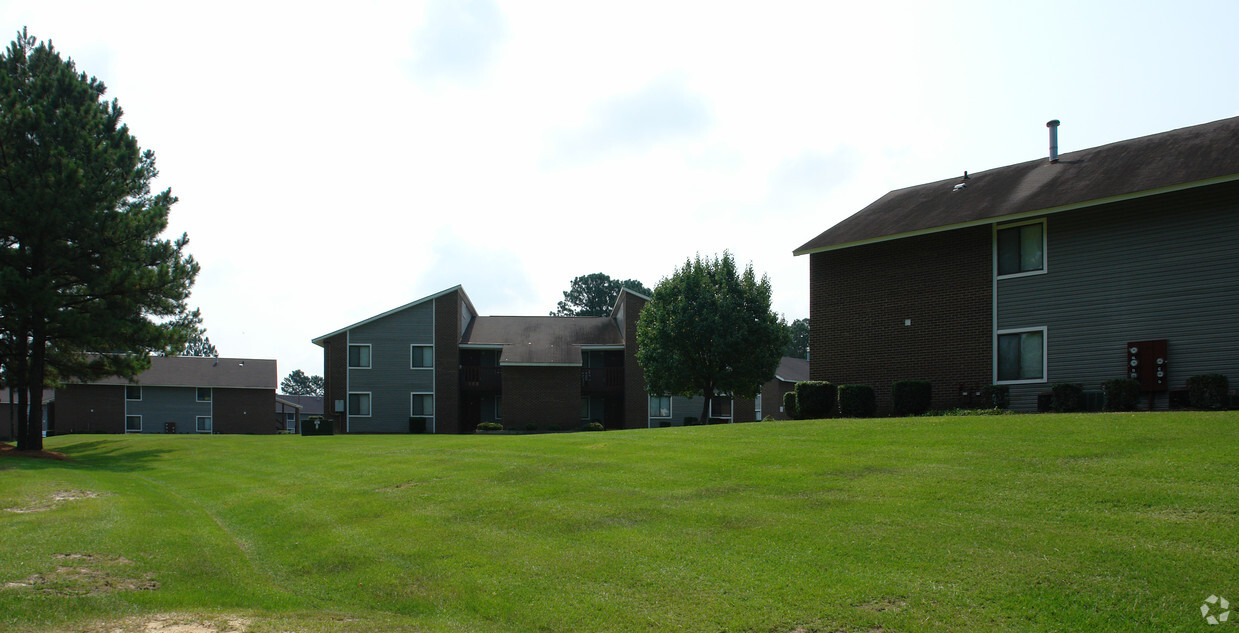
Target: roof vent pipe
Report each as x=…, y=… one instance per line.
x=1053, y=125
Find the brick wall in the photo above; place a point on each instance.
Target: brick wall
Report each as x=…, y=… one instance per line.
x=543, y=396
x=335, y=378
x=636, y=402
x=447, y=364
x=90, y=409
x=772, y=399
x=243, y=411
x=861, y=296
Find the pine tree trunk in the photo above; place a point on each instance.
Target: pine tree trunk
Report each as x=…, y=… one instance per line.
x=705, y=407
x=34, y=382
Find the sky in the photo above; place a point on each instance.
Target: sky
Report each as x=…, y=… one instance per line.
x=336, y=160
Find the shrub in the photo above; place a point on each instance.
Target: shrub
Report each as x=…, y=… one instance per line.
x=554, y=428
x=664, y=423
x=996, y=396
x=490, y=426
x=814, y=399
x=531, y=427
x=857, y=401
x=1208, y=391
x=595, y=426
x=417, y=424
x=789, y=405
x=719, y=421
x=911, y=397
x=1122, y=394
x=1066, y=397
x=690, y=421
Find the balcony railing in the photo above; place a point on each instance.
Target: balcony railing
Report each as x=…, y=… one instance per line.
x=597, y=379
x=473, y=378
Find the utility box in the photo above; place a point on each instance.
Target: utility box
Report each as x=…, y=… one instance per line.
x=316, y=425
x=1147, y=362
x=169, y=427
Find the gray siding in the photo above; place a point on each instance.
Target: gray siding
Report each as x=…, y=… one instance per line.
x=390, y=379
x=1160, y=268
x=682, y=408
x=168, y=404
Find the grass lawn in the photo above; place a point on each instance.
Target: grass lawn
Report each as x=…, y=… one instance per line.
x=1108, y=522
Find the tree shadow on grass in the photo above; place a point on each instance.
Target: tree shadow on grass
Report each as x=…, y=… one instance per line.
x=94, y=454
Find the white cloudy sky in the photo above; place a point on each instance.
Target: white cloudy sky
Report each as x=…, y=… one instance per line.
x=337, y=159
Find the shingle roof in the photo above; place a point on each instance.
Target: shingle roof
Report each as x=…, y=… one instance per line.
x=542, y=340
x=202, y=371
x=792, y=369
x=310, y=405
x=1181, y=158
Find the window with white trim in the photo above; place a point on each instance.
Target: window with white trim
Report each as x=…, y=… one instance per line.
x=660, y=406
x=359, y=356
x=757, y=407
x=133, y=424
x=133, y=392
x=1021, y=355
x=422, y=405
x=204, y=394
x=359, y=404
x=1021, y=249
x=422, y=356
x=204, y=424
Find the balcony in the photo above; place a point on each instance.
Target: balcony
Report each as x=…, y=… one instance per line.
x=602, y=379
x=474, y=378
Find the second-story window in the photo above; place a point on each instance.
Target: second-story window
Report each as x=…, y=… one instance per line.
x=359, y=356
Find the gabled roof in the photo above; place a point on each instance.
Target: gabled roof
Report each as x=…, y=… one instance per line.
x=202, y=371
x=542, y=340
x=307, y=404
x=792, y=369
x=1179, y=159
x=319, y=341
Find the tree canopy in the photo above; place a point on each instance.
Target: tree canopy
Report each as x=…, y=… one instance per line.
x=594, y=295
x=709, y=329
x=299, y=384
x=798, y=347
x=87, y=287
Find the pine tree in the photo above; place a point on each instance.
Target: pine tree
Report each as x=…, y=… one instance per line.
x=87, y=288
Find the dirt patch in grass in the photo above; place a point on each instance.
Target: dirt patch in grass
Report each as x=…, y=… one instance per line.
x=8, y=450
x=55, y=499
x=173, y=623
x=883, y=604
x=84, y=575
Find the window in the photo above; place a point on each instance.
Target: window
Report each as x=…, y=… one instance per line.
x=204, y=394
x=757, y=407
x=423, y=356
x=359, y=404
x=133, y=392
x=720, y=407
x=133, y=424
x=1021, y=249
x=498, y=407
x=204, y=424
x=1021, y=355
x=359, y=356
x=423, y=405
x=660, y=406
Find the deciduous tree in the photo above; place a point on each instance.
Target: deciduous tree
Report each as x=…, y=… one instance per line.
x=709, y=329
x=87, y=287
x=594, y=295
x=798, y=347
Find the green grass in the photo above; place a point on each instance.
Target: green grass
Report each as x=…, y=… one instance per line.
x=1111, y=522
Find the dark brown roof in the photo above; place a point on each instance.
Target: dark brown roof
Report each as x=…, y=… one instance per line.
x=542, y=340
x=203, y=371
x=792, y=369
x=1142, y=166
x=309, y=405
